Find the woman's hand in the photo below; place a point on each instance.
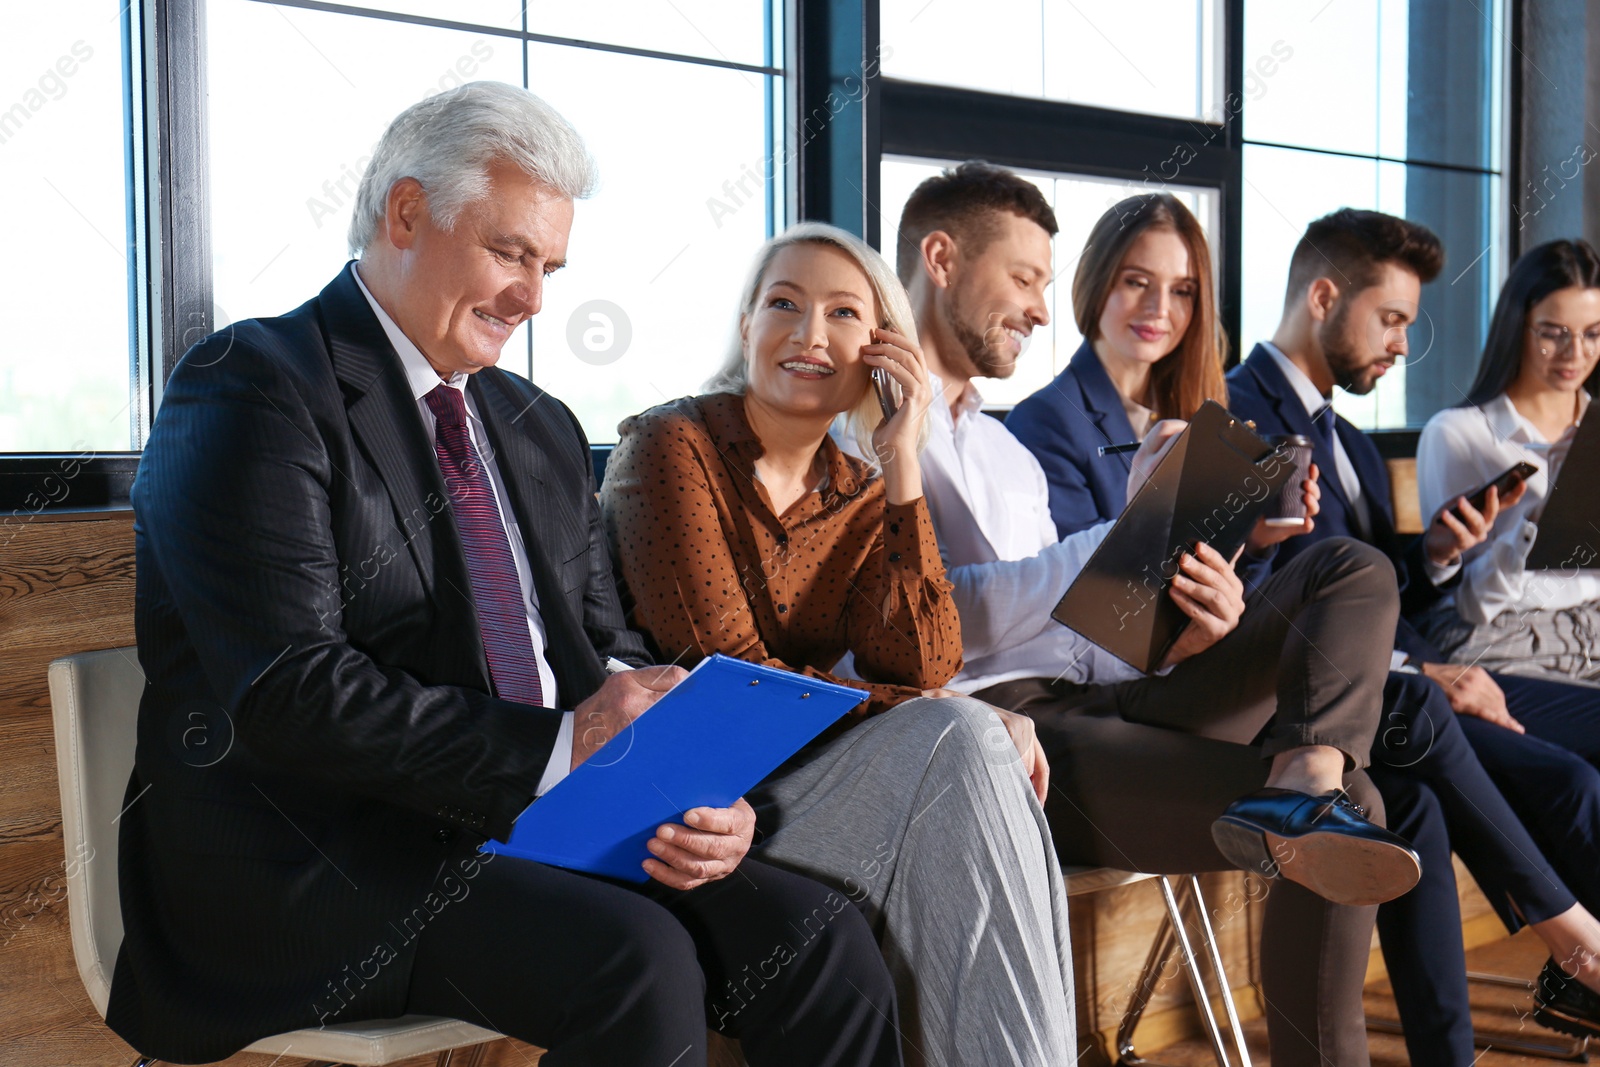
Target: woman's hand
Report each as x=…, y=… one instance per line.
x=1026, y=741
x=895, y=439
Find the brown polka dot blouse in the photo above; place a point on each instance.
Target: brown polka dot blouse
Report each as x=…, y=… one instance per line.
x=707, y=566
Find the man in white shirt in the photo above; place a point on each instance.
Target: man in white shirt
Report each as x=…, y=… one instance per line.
x=1156, y=773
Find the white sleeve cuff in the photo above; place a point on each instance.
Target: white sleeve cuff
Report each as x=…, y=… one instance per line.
x=1439, y=575
x=560, y=757
x=1399, y=661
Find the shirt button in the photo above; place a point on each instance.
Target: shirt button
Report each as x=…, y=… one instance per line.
x=783, y=539
x=894, y=557
x=782, y=608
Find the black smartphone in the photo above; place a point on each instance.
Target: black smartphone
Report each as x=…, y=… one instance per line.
x=888, y=393
x=1504, y=482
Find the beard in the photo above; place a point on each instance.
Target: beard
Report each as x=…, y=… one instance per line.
x=1351, y=371
x=984, y=360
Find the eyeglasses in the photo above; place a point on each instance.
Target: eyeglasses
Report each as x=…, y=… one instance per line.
x=1560, y=338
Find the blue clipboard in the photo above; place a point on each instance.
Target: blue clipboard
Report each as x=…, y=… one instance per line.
x=719, y=732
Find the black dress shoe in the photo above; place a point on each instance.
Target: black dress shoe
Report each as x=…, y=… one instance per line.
x=1324, y=843
x=1565, y=1004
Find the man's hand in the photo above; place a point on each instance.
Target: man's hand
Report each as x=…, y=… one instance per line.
x=1208, y=591
x=1264, y=536
x=621, y=698
x=707, y=847
x=1473, y=692
x=1448, y=536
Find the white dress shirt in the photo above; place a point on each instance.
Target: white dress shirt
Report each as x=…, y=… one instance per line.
x=424, y=379
x=1461, y=449
x=990, y=505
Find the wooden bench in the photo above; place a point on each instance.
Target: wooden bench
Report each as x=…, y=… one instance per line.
x=1403, y=495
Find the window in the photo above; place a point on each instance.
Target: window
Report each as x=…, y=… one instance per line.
x=1390, y=105
x=690, y=181
x=1078, y=203
x=65, y=279
x=1098, y=52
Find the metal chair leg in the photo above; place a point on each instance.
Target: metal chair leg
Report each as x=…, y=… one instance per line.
x=1171, y=935
x=146, y=1061
x=1144, y=988
x=1197, y=898
x=1197, y=981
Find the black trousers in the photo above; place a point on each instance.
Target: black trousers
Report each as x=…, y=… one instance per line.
x=612, y=975
x=1140, y=769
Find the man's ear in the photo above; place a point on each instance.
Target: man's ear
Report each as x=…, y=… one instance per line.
x=403, y=211
x=939, y=258
x=1321, y=296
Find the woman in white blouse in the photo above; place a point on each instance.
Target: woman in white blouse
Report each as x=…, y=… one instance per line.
x=1533, y=387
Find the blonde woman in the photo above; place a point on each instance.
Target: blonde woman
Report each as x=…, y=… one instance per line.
x=741, y=528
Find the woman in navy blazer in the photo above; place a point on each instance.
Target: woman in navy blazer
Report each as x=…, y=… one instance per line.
x=1153, y=349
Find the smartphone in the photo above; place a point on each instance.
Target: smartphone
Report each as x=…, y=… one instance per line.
x=1504, y=482
x=888, y=393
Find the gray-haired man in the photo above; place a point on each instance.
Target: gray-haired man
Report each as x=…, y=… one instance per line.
x=375, y=560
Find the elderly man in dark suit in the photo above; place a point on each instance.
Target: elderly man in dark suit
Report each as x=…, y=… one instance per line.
x=375, y=563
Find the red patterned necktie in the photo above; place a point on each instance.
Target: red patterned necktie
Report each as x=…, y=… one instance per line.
x=502, y=616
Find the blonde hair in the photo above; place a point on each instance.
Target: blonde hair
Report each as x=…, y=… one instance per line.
x=894, y=312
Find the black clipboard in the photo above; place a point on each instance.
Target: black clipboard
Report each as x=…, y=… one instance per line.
x=1215, y=481
x=1569, y=527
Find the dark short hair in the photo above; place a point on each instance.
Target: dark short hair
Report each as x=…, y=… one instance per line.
x=1542, y=270
x=963, y=202
x=1351, y=248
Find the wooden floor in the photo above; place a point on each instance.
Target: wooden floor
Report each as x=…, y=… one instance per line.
x=1495, y=1010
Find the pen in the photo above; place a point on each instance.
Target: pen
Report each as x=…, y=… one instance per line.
x=1117, y=450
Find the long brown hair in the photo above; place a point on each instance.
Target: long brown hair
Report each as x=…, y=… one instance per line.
x=1191, y=373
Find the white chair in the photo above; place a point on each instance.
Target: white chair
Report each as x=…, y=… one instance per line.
x=95, y=700
x=1172, y=934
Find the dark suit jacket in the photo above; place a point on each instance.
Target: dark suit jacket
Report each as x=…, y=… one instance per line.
x=1258, y=390
x=319, y=740
x=1063, y=425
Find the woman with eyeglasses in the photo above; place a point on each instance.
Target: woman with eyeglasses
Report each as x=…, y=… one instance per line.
x=1533, y=388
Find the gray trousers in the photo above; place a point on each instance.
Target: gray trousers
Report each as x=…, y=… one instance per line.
x=1560, y=644
x=923, y=817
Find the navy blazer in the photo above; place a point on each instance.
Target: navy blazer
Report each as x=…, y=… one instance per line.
x=1258, y=391
x=1063, y=425
x=304, y=600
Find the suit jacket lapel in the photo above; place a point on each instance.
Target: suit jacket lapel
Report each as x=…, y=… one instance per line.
x=1292, y=414
x=388, y=431
x=1374, y=479
x=1101, y=401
